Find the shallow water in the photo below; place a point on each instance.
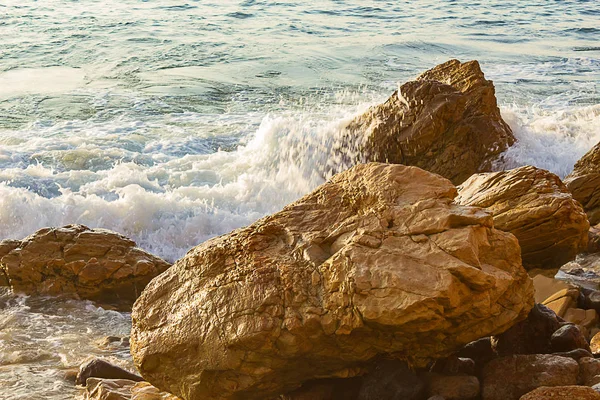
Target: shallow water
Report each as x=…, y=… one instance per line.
x=175, y=122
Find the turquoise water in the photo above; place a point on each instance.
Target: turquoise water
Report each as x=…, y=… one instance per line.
x=172, y=122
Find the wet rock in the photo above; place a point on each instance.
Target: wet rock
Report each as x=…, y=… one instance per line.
x=567, y=338
x=458, y=387
x=93, y=264
x=392, y=380
x=535, y=206
x=509, y=378
x=379, y=260
x=562, y=393
x=112, y=342
x=70, y=375
x=447, y=121
x=530, y=336
x=6, y=246
x=108, y=389
x=98, y=368
x=123, y=389
x=584, y=183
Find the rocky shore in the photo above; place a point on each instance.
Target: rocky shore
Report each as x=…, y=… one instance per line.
x=420, y=274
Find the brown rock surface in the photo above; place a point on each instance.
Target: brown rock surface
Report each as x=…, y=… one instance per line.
x=378, y=260
x=584, y=183
x=535, y=206
x=446, y=121
x=533, y=335
x=93, y=264
x=508, y=378
x=458, y=387
x=569, y=337
x=562, y=393
x=589, y=369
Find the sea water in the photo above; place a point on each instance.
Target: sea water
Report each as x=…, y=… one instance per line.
x=173, y=122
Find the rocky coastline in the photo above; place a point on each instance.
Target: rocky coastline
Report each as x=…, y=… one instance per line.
x=421, y=274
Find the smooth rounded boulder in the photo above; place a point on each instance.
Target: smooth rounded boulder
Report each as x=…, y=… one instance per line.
x=379, y=260
x=446, y=121
x=92, y=264
x=535, y=206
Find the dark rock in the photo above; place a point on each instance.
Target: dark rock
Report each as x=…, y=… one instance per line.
x=480, y=351
x=454, y=365
x=575, y=354
x=392, y=380
x=567, y=338
x=591, y=299
x=327, y=389
x=509, y=378
x=98, y=368
x=531, y=336
x=459, y=387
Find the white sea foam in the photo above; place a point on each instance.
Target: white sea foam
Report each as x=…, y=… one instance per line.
x=173, y=202
x=553, y=139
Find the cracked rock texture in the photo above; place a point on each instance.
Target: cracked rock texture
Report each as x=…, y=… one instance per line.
x=379, y=260
x=94, y=264
x=446, y=121
x=584, y=183
x=535, y=206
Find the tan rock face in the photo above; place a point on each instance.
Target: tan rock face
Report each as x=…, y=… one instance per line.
x=535, y=206
x=93, y=264
x=378, y=260
x=584, y=183
x=447, y=121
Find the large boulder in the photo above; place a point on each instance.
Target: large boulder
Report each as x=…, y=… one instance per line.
x=584, y=183
x=94, y=264
x=535, y=206
x=446, y=121
x=379, y=260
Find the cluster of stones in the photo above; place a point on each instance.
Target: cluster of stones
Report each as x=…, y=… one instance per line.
x=386, y=282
